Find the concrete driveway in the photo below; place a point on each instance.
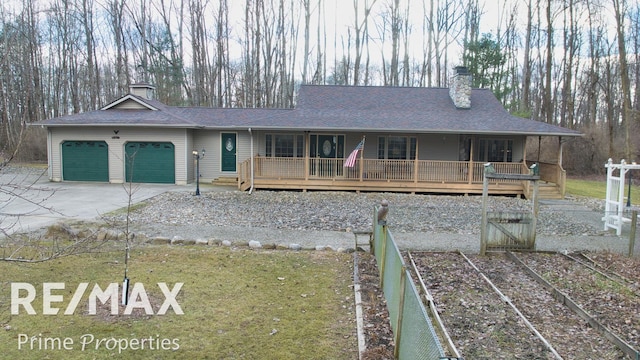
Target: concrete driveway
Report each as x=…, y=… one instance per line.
x=29, y=201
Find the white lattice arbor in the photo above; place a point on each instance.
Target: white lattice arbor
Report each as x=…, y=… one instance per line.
x=614, y=216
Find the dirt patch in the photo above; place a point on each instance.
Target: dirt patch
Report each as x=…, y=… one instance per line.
x=378, y=334
x=481, y=322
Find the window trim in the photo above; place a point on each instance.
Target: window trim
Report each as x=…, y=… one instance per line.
x=483, y=149
x=410, y=152
x=297, y=147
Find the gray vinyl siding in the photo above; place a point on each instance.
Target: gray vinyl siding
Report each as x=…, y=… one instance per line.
x=210, y=140
x=430, y=147
x=244, y=146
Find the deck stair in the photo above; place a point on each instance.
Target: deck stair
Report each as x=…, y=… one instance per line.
x=548, y=191
x=225, y=181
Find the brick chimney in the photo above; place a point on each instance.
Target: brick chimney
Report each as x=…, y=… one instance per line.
x=460, y=88
x=143, y=90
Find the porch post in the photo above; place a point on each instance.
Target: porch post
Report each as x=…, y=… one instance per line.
x=252, y=162
x=415, y=161
x=539, y=145
x=364, y=138
x=560, y=151
x=470, y=170
x=307, y=148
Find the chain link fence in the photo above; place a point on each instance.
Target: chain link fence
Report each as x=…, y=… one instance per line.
x=414, y=334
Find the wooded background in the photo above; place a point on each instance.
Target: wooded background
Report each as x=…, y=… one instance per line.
x=572, y=63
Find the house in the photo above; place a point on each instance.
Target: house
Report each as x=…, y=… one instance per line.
x=419, y=140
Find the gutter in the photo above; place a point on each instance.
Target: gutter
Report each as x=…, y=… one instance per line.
x=251, y=157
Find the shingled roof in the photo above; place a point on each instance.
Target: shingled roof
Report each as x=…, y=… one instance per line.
x=336, y=108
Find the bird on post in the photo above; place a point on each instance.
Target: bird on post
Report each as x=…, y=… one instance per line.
x=382, y=212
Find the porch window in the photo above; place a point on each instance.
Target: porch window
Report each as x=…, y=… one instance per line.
x=397, y=147
x=494, y=150
x=284, y=145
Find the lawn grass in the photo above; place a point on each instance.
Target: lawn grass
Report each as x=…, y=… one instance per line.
x=237, y=303
x=597, y=189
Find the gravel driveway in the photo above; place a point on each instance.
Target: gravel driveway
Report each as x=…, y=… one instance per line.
x=419, y=222
x=311, y=219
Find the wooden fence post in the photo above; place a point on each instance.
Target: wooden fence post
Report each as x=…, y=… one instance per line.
x=632, y=234
x=483, y=225
x=383, y=254
x=398, y=334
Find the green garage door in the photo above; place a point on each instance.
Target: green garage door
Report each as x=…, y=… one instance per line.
x=85, y=161
x=150, y=162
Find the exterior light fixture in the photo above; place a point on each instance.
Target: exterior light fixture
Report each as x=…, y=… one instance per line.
x=198, y=155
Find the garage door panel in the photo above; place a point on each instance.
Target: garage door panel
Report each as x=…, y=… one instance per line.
x=150, y=162
x=85, y=161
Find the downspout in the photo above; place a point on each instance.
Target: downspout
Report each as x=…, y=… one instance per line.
x=251, y=157
x=49, y=158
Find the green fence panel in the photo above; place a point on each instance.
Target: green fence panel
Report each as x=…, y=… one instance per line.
x=417, y=340
x=416, y=337
x=391, y=286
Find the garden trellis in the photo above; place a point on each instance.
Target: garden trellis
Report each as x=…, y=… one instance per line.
x=614, y=208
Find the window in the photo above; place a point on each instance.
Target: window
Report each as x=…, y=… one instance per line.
x=494, y=150
x=397, y=147
x=284, y=145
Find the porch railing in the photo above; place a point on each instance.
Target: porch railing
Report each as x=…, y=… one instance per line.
x=438, y=176
x=374, y=170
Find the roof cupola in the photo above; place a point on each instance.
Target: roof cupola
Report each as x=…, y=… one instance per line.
x=143, y=90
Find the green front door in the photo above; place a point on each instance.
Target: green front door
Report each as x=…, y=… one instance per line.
x=326, y=146
x=228, y=152
x=150, y=162
x=85, y=161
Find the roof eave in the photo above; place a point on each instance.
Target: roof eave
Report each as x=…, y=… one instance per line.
x=394, y=130
x=179, y=126
x=129, y=97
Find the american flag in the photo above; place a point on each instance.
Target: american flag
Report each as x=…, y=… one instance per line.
x=351, y=160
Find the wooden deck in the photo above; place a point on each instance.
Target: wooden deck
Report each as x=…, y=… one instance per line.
x=412, y=176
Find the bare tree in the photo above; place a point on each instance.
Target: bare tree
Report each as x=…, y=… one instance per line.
x=361, y=28
x=570, y=42
x=307, y=24
x=116, y=12
x=525, y=103
x=92, y=83
x=19, y=188
x=620, y=12
x=201, y=91
x=547, y=105
x=395, y=25
x=21, y=67
x=223, y=62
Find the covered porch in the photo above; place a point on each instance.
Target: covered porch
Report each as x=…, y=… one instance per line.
x=412, y=176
